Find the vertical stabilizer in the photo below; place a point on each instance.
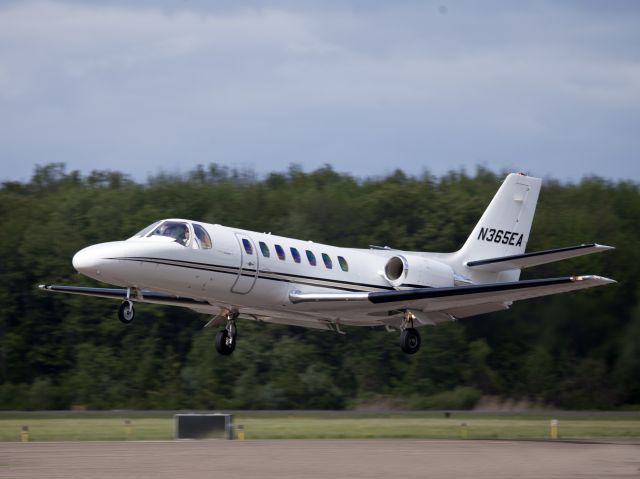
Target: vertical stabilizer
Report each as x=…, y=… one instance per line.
x=504, y=228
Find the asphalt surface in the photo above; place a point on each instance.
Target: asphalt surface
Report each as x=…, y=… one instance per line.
x=284, y=459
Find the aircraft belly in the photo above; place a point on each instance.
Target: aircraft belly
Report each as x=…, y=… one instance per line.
x=180, y=281
x=270, y=293
x=213, y=286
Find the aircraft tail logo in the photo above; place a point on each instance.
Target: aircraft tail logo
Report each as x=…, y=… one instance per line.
x=504, y=228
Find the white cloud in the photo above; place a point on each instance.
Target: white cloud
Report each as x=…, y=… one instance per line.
x=365, y=88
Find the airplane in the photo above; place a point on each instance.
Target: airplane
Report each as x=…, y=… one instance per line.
x=231, y=273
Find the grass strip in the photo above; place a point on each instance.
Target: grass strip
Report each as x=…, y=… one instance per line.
x=320, y=426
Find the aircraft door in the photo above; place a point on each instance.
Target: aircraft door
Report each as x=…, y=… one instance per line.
x=248, y=272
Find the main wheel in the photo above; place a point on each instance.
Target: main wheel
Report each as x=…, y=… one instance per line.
x=224, y=344
x=126, y=313
x=410, y=341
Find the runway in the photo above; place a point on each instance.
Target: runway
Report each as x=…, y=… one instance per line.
x=297, y=459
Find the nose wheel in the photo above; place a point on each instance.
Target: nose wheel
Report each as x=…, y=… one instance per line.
x=226, y=339
x=126, y=312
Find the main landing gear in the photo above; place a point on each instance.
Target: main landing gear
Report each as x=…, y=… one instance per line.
x=409, y=337
x=226, y=339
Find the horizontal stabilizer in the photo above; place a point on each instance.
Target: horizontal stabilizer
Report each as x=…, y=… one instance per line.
x=526, y=260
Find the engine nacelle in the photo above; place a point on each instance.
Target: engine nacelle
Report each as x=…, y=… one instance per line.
x=414, y=271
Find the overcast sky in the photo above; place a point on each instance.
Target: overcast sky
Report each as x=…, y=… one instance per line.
x=550, y=88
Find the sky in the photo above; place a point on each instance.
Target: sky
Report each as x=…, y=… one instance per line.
x=551, y=88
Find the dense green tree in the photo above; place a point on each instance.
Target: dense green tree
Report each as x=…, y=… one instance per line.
x=576, y=351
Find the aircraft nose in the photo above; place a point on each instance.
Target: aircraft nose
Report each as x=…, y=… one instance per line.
x=86, y=260
x=100, y=261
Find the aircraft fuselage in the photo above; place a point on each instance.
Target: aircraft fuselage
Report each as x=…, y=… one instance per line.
x=236, y=273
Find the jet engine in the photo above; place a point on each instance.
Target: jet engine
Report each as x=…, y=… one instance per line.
x=416, y=271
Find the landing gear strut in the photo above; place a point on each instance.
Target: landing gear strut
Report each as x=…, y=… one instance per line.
x=409, y=337
x=126, y=313
x=226, y=339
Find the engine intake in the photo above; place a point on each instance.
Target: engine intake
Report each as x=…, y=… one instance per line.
x=414, y=271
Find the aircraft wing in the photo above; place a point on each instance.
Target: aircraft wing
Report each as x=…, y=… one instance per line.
x=445, y=303
x=155, y=297
x=144, y=296
x=455, y=298
x=526, y=260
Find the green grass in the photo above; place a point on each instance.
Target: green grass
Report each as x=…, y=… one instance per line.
x=87, y=429
x=154, y=426
x=409, y=426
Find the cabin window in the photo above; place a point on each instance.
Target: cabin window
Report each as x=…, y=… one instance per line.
x=296, y=255
x=265, y=249
x=248, y=247
x=327, y=261
x=204, y=239
x=280, y=252
x=343, y=263
x=173, y=229
x=311, y=257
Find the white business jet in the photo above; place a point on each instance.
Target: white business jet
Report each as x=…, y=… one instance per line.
x=232, y=273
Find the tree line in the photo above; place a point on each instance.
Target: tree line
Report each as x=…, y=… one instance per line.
x=578, y=350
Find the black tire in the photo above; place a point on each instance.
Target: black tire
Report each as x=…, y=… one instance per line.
x=221, y=343
x=410, y=341
x=126, y=312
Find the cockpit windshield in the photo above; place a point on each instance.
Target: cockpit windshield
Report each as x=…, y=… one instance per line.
x=143, y=232
x=180, y=231
x=173, y=229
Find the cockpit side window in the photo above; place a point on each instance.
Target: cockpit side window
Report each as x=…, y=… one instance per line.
x=203, y=237
x=173, y=229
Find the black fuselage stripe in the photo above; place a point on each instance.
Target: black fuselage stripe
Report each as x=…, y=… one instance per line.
x=235, y=269
x=252, y=274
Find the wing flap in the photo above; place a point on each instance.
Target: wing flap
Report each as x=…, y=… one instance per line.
x=304, y=322
x=527, y=260
x=464, y=312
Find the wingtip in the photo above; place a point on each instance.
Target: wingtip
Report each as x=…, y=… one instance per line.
x=594, y=278
x=603, y=246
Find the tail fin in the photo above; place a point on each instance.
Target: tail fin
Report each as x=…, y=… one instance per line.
x=504, y=228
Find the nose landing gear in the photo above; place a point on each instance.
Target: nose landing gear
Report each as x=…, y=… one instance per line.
x=126, y=312
x=226, y=339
